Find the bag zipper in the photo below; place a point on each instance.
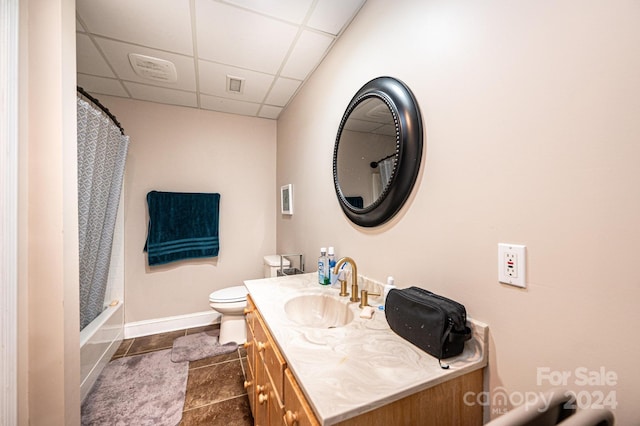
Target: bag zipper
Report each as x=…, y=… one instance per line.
x=431, y=304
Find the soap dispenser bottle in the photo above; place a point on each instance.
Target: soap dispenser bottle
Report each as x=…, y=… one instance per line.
x=388, y=287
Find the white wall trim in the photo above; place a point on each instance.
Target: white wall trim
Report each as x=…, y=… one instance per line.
x=162, y=325
x=8, y=213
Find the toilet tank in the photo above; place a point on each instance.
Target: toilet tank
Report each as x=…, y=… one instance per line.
x=272, y=265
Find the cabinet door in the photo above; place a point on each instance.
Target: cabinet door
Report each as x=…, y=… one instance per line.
x=273, y=359
x=261, y=411
x=276, y=409
x=296, y=409
x=250, y=312
x=250, y=382
x=275, y=365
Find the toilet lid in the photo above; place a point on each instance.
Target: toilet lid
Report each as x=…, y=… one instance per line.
x=230, y=294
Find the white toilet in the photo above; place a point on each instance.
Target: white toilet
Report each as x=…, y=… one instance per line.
x=231, y=301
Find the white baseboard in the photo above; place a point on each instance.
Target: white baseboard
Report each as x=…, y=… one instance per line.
x=162, y=325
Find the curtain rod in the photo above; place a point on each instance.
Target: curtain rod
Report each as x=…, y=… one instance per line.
x=102, y=107
x=374, y=164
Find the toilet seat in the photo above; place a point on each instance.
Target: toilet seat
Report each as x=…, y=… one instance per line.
x=229, y=295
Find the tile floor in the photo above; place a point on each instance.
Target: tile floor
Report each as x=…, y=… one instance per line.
x=215, y=393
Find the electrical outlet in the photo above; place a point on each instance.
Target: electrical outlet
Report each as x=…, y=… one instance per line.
x=511, y=264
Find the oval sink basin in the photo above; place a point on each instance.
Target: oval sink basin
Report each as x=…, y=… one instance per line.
x=319, y=311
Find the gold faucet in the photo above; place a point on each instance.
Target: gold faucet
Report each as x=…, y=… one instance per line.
x=354, y=276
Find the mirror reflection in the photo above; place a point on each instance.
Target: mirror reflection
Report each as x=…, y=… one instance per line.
x=378, y=150
x=367, y=152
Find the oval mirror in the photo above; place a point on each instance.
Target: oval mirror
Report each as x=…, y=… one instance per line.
x=378, y=151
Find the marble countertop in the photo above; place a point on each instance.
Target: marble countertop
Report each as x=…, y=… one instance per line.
x=349, y=370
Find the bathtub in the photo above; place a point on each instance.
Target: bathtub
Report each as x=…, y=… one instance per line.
x=98, y=342
x=100, y=339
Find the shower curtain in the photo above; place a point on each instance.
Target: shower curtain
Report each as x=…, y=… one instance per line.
x=102, y=151
x=386, y=169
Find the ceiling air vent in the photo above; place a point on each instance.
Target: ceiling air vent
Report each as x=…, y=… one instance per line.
x=235, y=84
x=153, y=68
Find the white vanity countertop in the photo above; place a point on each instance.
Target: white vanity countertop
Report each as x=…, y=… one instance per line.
x=349, y=370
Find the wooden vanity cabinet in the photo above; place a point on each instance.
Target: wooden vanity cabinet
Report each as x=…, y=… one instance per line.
x=274, y=396
x=250, y=370
x=298, y=411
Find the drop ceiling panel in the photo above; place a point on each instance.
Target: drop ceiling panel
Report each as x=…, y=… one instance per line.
x=288, y=10
x=213, y=81
x=118, y=55
x=228, y=105
x=387, y=130
x=237, y=37
x=282, y=91
x=361, y=125
x=88, y=58
x=268, y=111
x=161, y=95
x=101, y=85
x=307, y=53
x=161, y=24
x=273, y=44
x=331, y=16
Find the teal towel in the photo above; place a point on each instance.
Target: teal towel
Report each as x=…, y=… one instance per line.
x=182, y=226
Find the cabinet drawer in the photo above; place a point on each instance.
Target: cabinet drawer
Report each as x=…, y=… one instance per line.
x=296, y=408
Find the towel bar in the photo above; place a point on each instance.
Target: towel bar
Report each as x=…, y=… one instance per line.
x=291, y=271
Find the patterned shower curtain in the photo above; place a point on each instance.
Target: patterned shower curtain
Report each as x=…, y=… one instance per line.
x=102, y=151
x=386, y=169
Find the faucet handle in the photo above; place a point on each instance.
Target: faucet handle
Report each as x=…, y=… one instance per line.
x=343, y=288
x=364, y=298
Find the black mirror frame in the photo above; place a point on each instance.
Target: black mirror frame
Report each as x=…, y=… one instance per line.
x=409, y=141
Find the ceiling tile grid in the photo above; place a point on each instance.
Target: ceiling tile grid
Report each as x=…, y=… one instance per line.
x=270, y=46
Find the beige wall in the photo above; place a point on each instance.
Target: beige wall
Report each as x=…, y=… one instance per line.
x=356, y=176
x=48, y=347
x=189, y=150
x=532, y=137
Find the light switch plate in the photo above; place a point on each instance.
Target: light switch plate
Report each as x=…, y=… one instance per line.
x=511, y=264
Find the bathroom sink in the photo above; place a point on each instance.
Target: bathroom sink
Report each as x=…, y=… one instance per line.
x=318, y=310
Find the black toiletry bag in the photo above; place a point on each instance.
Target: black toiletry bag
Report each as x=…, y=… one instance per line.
x=433, y=323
